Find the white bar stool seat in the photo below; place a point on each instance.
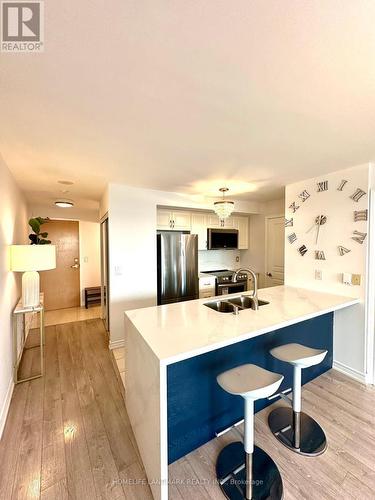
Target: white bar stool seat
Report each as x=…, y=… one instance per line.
x=244, y=470
x=293, y=428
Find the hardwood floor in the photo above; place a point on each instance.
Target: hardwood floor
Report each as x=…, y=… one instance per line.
x=68, y=436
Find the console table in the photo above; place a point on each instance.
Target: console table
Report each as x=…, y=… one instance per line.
x=20, y=310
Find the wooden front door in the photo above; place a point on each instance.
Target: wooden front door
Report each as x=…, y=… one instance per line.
x=275, y=227
x=61, y=286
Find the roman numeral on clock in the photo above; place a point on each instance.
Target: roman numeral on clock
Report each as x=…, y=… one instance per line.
x=319, y=255
x=341, y=185
x=343, y=250
x=289, y=222
x=302, y=250
x=294, y=207
x=359, y=237
x=322, y=186
x=357, y=195
x=292, y=238
x=360, y=215
x=303, y=196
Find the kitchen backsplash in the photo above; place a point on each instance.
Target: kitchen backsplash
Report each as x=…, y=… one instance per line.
x=211, y=260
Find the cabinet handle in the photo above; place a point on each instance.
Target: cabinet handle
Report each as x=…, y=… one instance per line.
x=269, y=275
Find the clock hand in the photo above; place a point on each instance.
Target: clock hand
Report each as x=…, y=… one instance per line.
x=317, y=233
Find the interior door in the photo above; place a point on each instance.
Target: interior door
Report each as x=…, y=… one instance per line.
x=275, y=227
x=61, y=286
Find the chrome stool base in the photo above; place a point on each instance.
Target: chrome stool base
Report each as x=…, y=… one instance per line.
x=231, y=474
x=309, y=441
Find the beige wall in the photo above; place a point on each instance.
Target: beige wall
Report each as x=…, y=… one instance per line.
x=89, y=251
x=350, y=324
x=13, y=230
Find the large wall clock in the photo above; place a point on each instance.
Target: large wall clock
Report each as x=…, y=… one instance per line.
x=303, y=243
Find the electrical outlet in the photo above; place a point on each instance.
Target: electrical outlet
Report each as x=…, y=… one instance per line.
x=318, y=274
x=347, y=278
x=356, y=279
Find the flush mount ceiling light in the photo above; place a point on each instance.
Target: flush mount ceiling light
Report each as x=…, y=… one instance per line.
x=64, y=203
x=66, y=183
x=224, y=207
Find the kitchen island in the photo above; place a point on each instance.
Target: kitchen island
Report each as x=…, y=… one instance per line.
x=174, y=353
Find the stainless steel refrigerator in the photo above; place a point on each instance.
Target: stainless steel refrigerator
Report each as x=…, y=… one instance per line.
x=177, y=266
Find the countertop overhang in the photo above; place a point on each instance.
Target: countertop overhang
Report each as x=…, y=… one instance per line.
x=179, y=331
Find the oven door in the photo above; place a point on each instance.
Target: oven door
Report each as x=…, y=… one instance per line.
x=227, y=288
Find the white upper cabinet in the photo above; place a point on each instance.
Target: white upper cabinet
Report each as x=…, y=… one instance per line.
x=199, y=227
x=182, y=221
x=242, y=224
x=198, y=222
x=164, y=219
x=214, y=221
x=173, y=220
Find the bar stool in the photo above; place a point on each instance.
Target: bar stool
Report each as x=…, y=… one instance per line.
x=244, y=470
x=292, y=427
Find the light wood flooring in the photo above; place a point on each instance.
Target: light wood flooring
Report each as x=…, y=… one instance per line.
x=68, y=436
x=69, y=315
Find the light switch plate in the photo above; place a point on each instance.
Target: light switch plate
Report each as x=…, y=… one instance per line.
x=118, y=270
x=356, y=279
x=318, y=274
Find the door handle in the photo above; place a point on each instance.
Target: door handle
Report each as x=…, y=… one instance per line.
x=76, y=264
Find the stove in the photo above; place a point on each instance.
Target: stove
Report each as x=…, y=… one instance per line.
x=225, y=284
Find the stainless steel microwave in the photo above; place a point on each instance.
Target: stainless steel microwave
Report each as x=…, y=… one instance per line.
x=222, y=239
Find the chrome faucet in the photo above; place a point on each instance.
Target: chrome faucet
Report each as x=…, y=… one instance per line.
x=255, y=283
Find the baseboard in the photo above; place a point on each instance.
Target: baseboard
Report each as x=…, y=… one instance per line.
x=350, y=372
x=5, y=408
x=115, y=344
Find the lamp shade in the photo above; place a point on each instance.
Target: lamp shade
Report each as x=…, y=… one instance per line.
x=33, y=257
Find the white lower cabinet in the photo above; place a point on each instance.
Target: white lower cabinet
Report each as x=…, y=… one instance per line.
x=207, y=287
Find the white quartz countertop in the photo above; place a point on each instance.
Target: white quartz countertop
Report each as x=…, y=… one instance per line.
x=179, y=331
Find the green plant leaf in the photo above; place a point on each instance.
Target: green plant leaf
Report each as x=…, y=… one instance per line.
x=43, y=235
x=44, y=242
x=35, y=225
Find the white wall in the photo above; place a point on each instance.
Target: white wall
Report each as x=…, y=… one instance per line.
x=13, y=230
x=350, y=325
x=255, y=256
x=89, y=253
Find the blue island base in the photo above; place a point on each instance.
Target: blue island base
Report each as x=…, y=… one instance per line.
x=198, y=408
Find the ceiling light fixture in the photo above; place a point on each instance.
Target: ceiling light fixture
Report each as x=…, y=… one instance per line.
x=224, y=207
x=66, y=183
x=64, y=203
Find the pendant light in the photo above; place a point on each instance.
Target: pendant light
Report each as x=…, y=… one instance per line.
x=224, y=207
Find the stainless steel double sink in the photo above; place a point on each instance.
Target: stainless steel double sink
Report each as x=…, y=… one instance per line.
x=234, y=304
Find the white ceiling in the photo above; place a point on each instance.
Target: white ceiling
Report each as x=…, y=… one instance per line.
x=187, y=95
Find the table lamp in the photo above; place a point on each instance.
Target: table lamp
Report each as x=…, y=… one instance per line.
x=29, y=259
